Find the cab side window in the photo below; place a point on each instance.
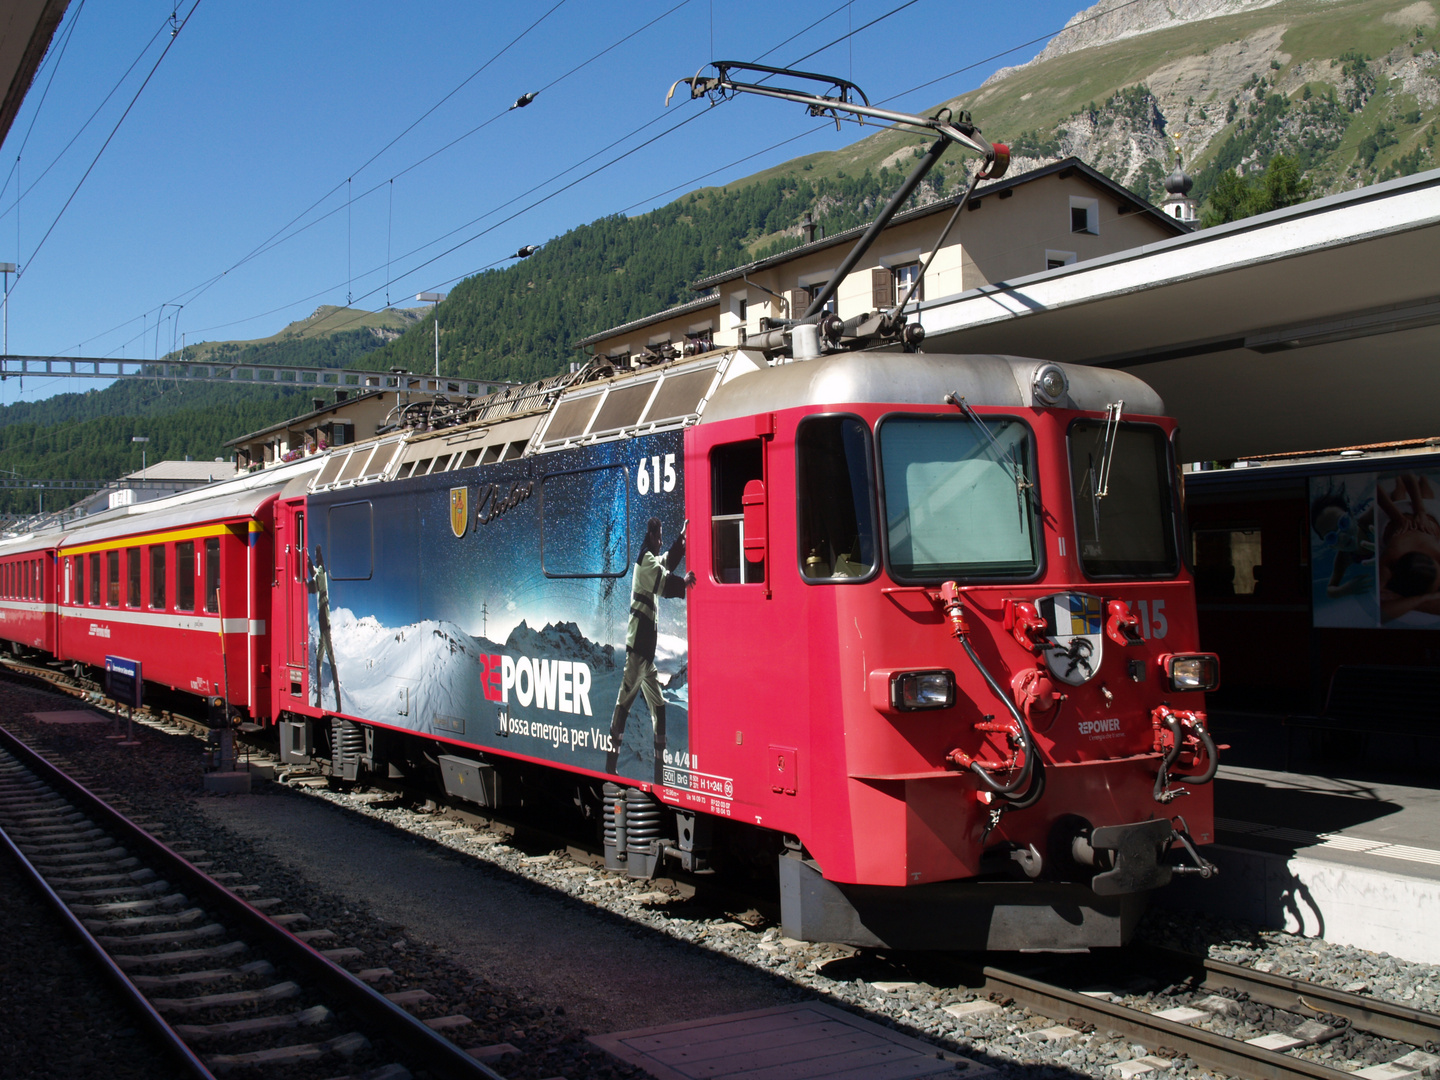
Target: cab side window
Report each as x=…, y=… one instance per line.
x=835, y=477
x=732, y=466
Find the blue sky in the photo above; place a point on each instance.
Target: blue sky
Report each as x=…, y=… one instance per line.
x=266, y=115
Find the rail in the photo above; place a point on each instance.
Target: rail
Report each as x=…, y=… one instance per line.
x=1309, y=1002
x=29, y=780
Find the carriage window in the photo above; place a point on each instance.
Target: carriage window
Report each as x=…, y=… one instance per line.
x=112, y=579
x=1130, y=530
x=954, y=506
x=95, y=581
x=132, y=575
x=732, y=466
x=212, y=574
x=185, y=575
x=77, y=579
x=157, y=576
x=837, y=522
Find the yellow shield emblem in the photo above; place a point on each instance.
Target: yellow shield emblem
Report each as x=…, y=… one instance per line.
x=459, y=510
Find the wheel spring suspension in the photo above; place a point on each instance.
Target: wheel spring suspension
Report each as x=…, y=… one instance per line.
x=642, y=833
x=614, y=827
x=347, y=747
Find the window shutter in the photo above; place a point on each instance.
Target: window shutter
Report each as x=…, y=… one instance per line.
x=799, y=301
x=882, y=288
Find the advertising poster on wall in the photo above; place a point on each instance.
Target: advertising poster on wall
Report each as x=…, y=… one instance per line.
x=1375, y=550
x=1342, y=550
x=535, y=606
x=1408, y=560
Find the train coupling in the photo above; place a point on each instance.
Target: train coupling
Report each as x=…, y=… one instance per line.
x=1134, y=858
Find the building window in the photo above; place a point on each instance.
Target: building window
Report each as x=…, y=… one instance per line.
x=1058, y=258
x=739, y=310
x=1084, y=215
x=904, y=275
x=815, y=291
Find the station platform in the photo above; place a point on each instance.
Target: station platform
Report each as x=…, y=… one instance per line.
x=1344, y=845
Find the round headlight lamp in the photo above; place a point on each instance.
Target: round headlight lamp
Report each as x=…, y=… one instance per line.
x=1050, y=384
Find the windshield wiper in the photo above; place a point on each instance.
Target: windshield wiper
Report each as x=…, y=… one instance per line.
x=1023, y=484
x=1099, y=479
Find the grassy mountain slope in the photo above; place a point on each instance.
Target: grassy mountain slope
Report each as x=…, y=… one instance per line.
x=1350, y=87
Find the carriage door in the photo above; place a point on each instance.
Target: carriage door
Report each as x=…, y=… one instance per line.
x=296, y=598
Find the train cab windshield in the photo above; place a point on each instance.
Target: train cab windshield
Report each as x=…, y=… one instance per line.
x=958, y=497
x=1124, y=504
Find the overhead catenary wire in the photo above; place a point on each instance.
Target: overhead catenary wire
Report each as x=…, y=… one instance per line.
x=190, y=295
x=567, y=187
x=391, y=276
x=23, y=271
x=283, y=235
x=198, y=291
x=59, y=56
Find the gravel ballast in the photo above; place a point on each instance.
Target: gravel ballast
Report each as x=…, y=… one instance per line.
x=541, y=950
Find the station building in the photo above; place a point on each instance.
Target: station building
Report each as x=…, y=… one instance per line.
x=1055, y=216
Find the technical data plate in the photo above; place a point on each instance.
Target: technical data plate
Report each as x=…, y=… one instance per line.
x=788, y=1042
x=74, y=716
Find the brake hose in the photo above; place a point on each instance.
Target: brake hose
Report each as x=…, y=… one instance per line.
x=1026, y=739
x=1212, y=757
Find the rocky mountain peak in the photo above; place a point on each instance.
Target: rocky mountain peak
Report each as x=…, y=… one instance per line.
x=1114, y=20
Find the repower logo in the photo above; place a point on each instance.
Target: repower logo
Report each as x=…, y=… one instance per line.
x=557, y=685
x=1096, y=727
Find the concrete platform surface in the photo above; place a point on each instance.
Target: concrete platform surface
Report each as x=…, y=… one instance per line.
x=1349, y=856
x=794, y=1041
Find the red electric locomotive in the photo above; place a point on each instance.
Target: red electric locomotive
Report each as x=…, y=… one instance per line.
x=914, y=628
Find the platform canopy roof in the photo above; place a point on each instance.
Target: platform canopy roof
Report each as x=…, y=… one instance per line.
x=26, y=27
x=1313, y=326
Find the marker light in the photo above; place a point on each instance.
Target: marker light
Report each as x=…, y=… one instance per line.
x=1050, y=384
x=912, y=691
x=1191, y=671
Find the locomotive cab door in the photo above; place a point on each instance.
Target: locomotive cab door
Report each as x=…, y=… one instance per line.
x=292, y=572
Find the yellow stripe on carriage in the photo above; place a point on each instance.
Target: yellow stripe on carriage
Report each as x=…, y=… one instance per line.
x=155, y=538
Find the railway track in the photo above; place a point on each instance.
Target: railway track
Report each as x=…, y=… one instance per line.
x=227, y=986
x=1217, y=1030
x=1207, y=1012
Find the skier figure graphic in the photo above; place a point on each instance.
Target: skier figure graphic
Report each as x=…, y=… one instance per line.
x=655, y=576
x=319, y=584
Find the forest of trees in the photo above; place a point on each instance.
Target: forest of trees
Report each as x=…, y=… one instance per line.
x=518, y=323
x=87, y=436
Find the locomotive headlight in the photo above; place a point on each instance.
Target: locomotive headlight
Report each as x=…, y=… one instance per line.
x=1191, y=671
x=912, y=691
x=1050, y=384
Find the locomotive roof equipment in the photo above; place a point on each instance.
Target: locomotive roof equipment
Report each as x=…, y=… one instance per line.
x=840, y=102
